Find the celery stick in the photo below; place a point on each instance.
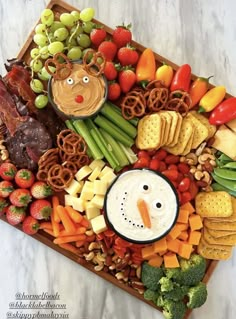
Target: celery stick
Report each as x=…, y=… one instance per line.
x=120, y=155
x=113, y=130
x=109, y=112
x=107, y=154
x=82, y=129
x=132, y=157
x=133, y=121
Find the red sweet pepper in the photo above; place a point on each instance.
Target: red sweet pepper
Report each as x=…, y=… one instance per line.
x=182, y=78
x=224, y=112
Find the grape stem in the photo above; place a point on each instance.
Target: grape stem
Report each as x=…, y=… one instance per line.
x=46, y=31
x=73, y=34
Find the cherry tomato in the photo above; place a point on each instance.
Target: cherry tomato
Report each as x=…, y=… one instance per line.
x=142, y=154
x=172, y=159
x=162, y=166
x=171, y=174
x=185, y=197
x=180, y=177
x=154, y=164
x=183, y=168
x=160, y=155
x=184, y=184
x=142, y=162
x=193, y=189
x=175, y=184
x=173, y=166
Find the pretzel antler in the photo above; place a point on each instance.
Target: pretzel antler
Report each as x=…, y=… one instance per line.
x=96, y=65
x=63, y=69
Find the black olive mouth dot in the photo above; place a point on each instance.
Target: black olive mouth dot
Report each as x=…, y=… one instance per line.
x=145, y=187
x=158, y=205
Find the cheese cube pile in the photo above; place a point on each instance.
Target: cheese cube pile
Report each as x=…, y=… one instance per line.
x=86, y=193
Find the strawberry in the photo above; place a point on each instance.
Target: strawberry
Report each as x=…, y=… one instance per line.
x=110, y=71
x=41, y=190
x=30, y=225
x=108, y=49
x=127, y=56
x=113, y=91
x=6, y=188
x=15, y=215
x=20, y=197
x=3, y=206
x=122, y=35
x=127, y=78
x=8, y=171
x=24, y=178
x=97, y=36
x=40, y=209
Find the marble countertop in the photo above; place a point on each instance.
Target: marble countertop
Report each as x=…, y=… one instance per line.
x=201, y=33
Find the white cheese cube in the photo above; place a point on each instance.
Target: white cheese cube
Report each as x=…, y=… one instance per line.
x=69, y=199
x=105, y=170
x=78, y=204
x=94, y=174
x=98, y=201
x=74, y=188
x=98, y=224
x=99, y=187
x=83, y=172
x=87, y=192
x=91, y=210
x=97, y=163
x=108, y=177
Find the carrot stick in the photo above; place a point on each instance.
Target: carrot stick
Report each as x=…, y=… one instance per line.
x=74, y=215
x=84, y=222
x=49, y=231
x=46, y=225
x=66, y=221
x=55, y=225
x=143, y=210
x=78, y=231
x=55, y=203
x=69, y=239
x=70, y=248
x=79, y=243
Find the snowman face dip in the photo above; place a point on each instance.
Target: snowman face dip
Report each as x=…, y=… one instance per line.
x=141, y=206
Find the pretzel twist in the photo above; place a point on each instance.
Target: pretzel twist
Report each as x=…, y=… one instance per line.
x=71, y=143
x=96, y=64
x=59, y=177
x=133, y=104
x=179, y=101
x=156, y=99
x=63, y=70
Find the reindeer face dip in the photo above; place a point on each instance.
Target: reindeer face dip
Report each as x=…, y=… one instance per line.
x=78, y=90
x=141, y=206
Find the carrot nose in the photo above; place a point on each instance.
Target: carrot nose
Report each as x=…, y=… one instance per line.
x=143, y=210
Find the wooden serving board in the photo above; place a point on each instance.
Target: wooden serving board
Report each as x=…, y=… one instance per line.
x=59, y=7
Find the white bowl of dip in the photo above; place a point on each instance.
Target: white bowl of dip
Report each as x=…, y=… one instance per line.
x=122, y=213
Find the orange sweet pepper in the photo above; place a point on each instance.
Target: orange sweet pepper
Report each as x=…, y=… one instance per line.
x=146, y=66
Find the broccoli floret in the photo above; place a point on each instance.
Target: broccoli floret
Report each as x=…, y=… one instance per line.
x=174, y=310
x=151, y=295
x=190, y=272
x=178, y=292
x=150, y=276
x=166, y=284
x=197, y=295
x=160, y=301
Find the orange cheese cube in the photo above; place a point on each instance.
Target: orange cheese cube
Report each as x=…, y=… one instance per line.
x=171, y=260
x=161, y=253
x=147, y=252
x=195, y=222
x=182, y=226
x=160, y=245
x=194, y=237
x=185, y=250
x=156, y=261
x=173, y=245
x=189, y=207
x=184, y=235
x=174, y=233
x=183, y=216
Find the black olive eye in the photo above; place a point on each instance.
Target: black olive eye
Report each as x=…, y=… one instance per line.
x=145, y=188
x=157, y=204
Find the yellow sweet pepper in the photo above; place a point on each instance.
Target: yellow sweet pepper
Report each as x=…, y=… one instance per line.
x=165, y=74
x=212, y=98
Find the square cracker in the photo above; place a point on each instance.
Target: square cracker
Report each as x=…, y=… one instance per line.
x=168, y=120
x=200, y=132
x=228, y=240
x=205, y=122
x=163, y=128
x=175, y=126
x=189, y=144
x=149, y=132
x=177, y=130
x=214, y=204
x=183, y=138
x=229, y=219
x=219, y=226
x=219, y=233
x=216, y=252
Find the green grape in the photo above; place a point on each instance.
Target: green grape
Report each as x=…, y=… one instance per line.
x=34, y=53
x=40, y=29
x=44, y=75
x=71, y=42
x=36, y=85
x=41, y=40
x=41, y=101
x=61, y=34
x=74, y=53
x=47, y=17
x=75, y=15
x=78, y=30
x=87, y=14
x=44, y=54
x=36, y=65
x=88, y=26
x=84, y=40
x=55, y=47
x=56, y=25
x=67, y=19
